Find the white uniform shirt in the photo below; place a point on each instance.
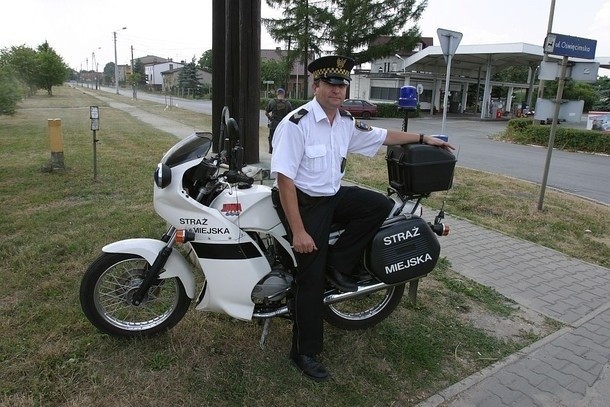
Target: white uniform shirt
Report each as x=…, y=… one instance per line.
x=308, y=150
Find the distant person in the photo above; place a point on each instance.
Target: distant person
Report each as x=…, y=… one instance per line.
x=276, y=110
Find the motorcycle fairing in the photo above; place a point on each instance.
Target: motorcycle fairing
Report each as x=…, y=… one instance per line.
x=256, y=210
x=229, y=284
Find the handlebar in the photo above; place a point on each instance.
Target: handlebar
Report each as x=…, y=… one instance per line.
x=233, y=176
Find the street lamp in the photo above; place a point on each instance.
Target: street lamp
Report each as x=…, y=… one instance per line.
x=94, y=65
x=403, y=61
x=116, y=66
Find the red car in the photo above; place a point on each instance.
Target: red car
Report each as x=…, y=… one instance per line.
x=359, y=108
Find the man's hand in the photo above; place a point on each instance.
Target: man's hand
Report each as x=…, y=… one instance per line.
x=435, y=141
x=303, y=243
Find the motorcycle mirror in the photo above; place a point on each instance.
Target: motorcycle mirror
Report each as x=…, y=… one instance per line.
x=234, y=140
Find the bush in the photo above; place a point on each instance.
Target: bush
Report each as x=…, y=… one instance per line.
x=524, y=132
x=10, y=92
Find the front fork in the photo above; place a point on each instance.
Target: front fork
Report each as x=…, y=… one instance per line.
x=152, y=274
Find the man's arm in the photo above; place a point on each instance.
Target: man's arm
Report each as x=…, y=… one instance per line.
x=400, y=137
x=302, y=242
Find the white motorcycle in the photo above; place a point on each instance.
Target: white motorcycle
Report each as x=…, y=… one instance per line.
x=233, y=236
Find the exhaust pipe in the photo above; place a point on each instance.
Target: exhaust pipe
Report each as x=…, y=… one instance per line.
x=362, y=290
x=331, y=298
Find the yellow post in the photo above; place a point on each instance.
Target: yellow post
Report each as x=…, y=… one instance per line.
x=56, y=139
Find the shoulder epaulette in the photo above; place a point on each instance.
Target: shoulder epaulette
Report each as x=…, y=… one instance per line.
x=345, y=113
x=298, y=115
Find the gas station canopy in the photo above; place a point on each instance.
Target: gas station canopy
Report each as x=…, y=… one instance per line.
x=470, y=60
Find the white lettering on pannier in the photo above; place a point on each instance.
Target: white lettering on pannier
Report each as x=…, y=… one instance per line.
x=412, y=262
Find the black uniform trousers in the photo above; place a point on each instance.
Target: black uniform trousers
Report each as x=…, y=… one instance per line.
x=362, y=212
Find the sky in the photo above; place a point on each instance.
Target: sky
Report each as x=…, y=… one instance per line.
x=81, y=32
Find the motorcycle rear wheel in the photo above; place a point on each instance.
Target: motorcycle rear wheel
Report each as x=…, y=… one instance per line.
x=108, y=286
x=365, y=311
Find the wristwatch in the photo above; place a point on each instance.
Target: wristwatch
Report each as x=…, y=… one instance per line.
x=421, y=138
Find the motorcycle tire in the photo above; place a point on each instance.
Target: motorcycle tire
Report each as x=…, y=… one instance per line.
x=106, y=291
x=365, y=311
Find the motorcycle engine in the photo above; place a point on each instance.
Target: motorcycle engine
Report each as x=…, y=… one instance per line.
x=274, y=286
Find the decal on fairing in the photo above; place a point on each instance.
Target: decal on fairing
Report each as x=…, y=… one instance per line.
x=193, y=221
x=226, y=251
x=231, y=209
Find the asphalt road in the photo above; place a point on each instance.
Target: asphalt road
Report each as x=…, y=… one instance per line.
x=585, y=175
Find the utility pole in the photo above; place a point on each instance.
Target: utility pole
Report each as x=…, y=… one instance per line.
x=545, y=57
x=116, y=66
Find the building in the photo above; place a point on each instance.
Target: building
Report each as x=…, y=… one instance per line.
x=171, y=77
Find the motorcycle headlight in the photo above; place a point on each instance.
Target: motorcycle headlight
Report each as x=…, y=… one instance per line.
x=163, y=175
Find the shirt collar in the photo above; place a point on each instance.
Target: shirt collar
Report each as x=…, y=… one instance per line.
x=319, y=113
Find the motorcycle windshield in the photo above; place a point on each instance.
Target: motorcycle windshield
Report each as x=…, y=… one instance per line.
x=192, y=147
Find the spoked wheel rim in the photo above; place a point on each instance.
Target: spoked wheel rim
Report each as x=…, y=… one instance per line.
x=114, y=291
x=365, y=307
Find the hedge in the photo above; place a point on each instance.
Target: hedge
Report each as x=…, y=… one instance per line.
x=524, y=131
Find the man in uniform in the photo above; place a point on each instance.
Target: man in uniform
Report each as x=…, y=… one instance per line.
x=276, y=110
x=311, y=146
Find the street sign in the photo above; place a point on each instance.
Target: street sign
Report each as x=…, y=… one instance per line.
x=449, y=41
x=567, y=46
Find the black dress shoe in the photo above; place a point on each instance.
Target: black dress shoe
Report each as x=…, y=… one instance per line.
x=310, y=367
x=341, y=281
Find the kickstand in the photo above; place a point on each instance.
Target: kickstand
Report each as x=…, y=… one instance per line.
x=265, y=333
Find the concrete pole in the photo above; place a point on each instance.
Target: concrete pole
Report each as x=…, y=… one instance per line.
x=116, y=66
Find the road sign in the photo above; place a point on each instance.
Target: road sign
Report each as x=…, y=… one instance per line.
x=449, y=41
x=564, y=45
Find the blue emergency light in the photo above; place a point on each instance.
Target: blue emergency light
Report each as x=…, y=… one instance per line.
x=407, y=98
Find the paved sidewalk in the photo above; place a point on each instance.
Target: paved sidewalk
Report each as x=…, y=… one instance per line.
x=568, y=368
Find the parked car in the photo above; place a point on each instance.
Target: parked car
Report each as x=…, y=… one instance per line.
x=360, y=108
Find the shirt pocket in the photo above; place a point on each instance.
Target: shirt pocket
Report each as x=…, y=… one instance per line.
x=316, y=159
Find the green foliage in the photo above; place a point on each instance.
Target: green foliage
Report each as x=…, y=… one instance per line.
x=205, y=62
x=109, y=73
x=10, y=92
x=187, y=80
x=276, y=71
x=140, y=72
x=52, y=71
x=524, y=132
x=24, y=64
x=350, y=27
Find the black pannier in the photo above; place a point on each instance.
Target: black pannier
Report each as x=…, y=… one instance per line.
x=418, y=169
x=403, y=249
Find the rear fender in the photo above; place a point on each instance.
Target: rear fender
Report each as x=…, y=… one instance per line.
x=176, y=265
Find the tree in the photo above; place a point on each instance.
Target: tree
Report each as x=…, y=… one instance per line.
x=205, y=62
x=109, y=73
x=302, y=20
x=10, y=92
x=138, y=76
x=273, y=70
x=354, y=26
x=350, y=27
x=25, y=66
x=52, y=69
x=602, y=87
x=187, y=79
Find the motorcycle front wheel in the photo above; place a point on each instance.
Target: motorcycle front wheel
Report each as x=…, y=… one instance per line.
x=365, y=311
x=107, y=289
